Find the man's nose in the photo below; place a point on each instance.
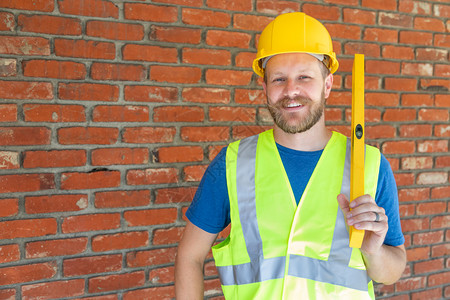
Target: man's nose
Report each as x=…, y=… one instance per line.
x=292, y=89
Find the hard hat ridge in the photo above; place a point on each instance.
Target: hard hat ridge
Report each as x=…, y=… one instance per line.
x=294, y=33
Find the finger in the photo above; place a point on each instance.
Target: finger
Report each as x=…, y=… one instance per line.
x=343, y=203
x=368, y=216
x=364, y=199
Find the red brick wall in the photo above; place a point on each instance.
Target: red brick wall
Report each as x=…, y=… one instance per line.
x=111, y=110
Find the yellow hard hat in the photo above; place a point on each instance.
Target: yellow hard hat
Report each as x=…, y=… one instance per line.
x=294, y=32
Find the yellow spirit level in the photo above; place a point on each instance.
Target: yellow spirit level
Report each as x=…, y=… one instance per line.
x=357, y=155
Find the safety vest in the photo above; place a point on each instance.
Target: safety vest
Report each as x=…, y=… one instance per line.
x=278, y=250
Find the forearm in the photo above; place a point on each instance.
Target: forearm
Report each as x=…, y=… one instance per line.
x=386, y=265
x=188, y=279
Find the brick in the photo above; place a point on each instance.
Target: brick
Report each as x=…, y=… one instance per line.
x=398, y=147
x=167, y=236
x=442, y=10
x=175, y=35
x=139, y=93
x=401, y=84
x=416, y=38
x=7, y=22
x=407, y=210
x=60, y=247
x=414, y=194
x=206, y=18
x=162, y=275
x=244, y=96
x=8, y=112
x=93, y=8
x=404, y=179
x=116, y=282
x=440, y=192
x=206, y=57
x=123, y=240
x=54, y=69
x=276, y=7
x=153, y=257
x=194, y=173
x=92, y=265
x=49, y=24
x=92, y=180
x=382, y=67
x=53, y=290
x=237, y=5
x=431, y=54
x=395, y=20
x=428, y=266
x=359, y=16
x=432, y=178
x=380, y=132
x=175, y=74
x=369, y=50
x=439, y=279
x=9, y=253
x=240, y=132
x=175, y=195
x=103, y=71
x=27, y=273
x=84, y=49
x=128, y=113
x=54, y=158
x=149, y=53
x=245, y=60
x=148, y=135
x=53, y=113
x=428, y=238
x=26, y=183
x=131, y=198
x=251, y=22
x=409, y=284
x=152, y=176
x=55, y=203
x=380, y=35
x=381, y=99
x=429, y=294
x=439, y=70
x=429, y=24
x=228, y=77
x=441, y=40
x=87, y=135
x=88, y=92
x=412, y=163
x=178, y=114
x=431, y=84
x=380, y=4
x=432, y=146
x=115, y=30
x=27, y=228
x=331, y=115
x=26, y=90
x=440, y=250
x=206, y=95
x=442, y=101
x=415, y=130
x=232, y=114
x=15, y=45
x=397, y=52
x=418, y=253
x=36, y=5
x=119, y=156
x=10, y=207
x=440, y=221
x=8, y=294
x=179, y=154
x=8, y=67
x=228, y=39
x=415, y=7
x=418, y=69
x=149, y=12
x=430, y=208
x=399, y=115
x=161, y=292
x=442, y=161
x=322, y=12
x=433, y=115
x=204, y=134
x=150, y=217
x=344, y=31
x=197, y=3
x=417, y=100
x=92, y=222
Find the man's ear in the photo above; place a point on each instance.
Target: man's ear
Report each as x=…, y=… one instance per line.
x=264, y=85
x=328, y=85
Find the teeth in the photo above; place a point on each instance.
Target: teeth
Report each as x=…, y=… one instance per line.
x=294, y=105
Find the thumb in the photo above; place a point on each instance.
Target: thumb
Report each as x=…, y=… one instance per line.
x=343, y=203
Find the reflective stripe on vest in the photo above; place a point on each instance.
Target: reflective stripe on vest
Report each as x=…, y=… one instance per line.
x=335, y=270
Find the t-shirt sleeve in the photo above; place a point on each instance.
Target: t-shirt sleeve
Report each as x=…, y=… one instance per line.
x=387, y=197
x=210, y=208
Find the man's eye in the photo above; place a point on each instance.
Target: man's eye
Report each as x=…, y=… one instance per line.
x=278, y=80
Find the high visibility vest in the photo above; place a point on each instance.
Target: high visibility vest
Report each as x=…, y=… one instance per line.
x=278, y=250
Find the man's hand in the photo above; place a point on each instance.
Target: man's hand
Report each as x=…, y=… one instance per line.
x=384, y=263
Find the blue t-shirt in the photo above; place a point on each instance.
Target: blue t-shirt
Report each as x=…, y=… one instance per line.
x=210, y=208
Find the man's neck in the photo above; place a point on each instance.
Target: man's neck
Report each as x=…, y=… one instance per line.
x=313, y=139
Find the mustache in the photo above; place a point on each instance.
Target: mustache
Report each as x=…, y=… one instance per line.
x=286, y=100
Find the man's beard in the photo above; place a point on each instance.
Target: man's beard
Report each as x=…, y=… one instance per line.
x=282, y=118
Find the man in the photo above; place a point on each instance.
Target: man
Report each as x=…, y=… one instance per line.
x=285, y=192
